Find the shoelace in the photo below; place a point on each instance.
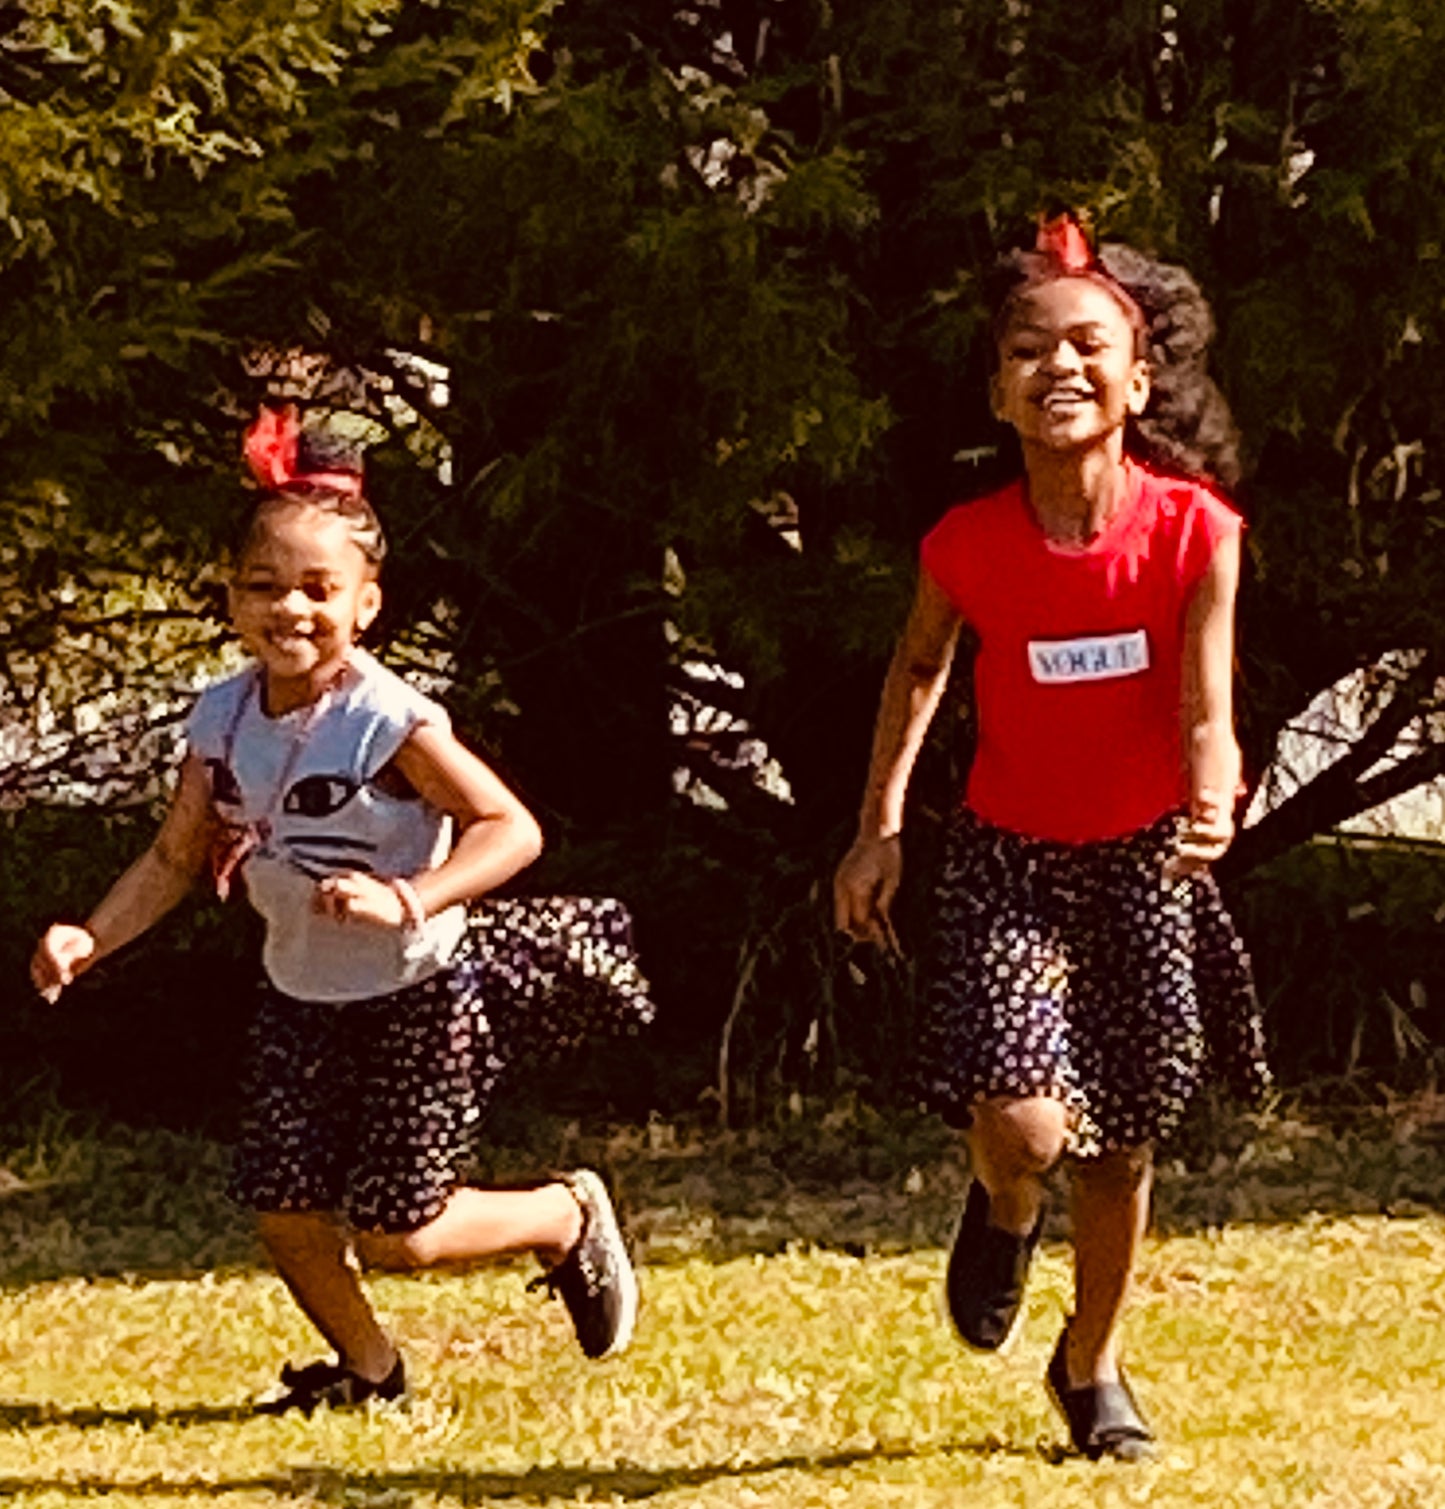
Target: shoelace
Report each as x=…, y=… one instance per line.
x=555, y=1279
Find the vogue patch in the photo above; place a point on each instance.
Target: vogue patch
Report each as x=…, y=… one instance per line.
x=1095, y=658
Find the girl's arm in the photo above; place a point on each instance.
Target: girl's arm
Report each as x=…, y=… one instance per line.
x=142, y=895
x=1211, y=753
x=868, y=877
x=497, y=836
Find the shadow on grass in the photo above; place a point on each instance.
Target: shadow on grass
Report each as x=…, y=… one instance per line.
x=540, y=1485
x=29, y=1415
x=118, y=1202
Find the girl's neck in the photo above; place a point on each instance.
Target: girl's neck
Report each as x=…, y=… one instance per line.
x=285, y=694
x=1076, y=495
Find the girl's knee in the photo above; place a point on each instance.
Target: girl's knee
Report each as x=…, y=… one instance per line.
x=1121, y=1169
x=295, y=1231
x=397, y=1251
x=1025, y=1135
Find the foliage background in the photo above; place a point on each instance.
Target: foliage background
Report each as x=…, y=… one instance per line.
x=704, y=283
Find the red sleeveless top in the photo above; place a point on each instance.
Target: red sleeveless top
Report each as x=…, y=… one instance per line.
x=1080, y=654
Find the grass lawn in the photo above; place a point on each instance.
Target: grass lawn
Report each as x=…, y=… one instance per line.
x=1293, y=1356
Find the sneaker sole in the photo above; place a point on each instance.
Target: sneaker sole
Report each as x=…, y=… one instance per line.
x=602, y=1212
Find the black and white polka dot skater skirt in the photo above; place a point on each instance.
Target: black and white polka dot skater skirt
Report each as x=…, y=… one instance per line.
x=1078, y=971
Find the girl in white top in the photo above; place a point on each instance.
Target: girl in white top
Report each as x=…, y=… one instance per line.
x=361, y=828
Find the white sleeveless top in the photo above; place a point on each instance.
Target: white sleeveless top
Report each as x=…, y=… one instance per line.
x=304, y=782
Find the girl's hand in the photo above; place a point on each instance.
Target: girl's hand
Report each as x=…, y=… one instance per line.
x=1205, y=837
x=864, y=888
x=354, y=896
x=64, y=952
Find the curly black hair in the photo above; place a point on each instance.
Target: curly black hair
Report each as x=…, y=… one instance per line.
x=1186, y=428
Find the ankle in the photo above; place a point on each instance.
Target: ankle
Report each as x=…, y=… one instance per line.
x=1014, y=1207
x=374, y=1363
x=1089, y=1365
x=566, y=1229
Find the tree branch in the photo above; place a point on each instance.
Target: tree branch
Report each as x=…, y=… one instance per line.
x=1343, y=790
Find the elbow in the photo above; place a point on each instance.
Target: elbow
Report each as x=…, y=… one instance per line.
x=178, y=867
x=528, y=839
x=922, y=672
x=503, y=841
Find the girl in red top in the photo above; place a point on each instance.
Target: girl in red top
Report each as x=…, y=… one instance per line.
x=1085, y=978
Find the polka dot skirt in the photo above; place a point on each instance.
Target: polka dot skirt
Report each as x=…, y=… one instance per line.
x=368, y=1108
x=1077, y=971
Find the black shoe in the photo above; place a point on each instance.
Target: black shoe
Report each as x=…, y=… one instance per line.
x=1103, y=1418
x=987, y=1271
x=332, y=1384
x=595, y=1279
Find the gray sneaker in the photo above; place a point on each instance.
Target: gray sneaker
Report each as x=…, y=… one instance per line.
x=596, y=1279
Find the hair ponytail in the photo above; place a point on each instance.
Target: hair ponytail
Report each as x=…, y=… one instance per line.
x=1186, y=426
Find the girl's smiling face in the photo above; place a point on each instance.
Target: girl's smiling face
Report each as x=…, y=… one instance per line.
x=302, y=592
x=1068, y=376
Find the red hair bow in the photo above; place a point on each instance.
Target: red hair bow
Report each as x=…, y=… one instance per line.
x=273, y=449
x=1063, y=239
x=271, y=446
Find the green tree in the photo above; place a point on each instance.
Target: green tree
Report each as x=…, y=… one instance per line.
x=704, y=284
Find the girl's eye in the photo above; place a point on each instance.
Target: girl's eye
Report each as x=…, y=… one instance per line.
x=318, y=592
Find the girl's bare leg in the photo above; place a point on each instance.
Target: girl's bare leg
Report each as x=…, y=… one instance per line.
x=1111, y=1212
x=310, y=1251
x=482, y=1223
x=1013, y=1143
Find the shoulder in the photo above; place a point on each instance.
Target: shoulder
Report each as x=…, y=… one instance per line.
x=1188, y=505
x=217, y=706
x=978, y=515
x=379, y=687
x=969, y=541
x=1190, y=519
x=377, y=691
x=975, y=524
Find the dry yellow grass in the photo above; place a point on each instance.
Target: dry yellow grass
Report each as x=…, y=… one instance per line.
x=1290, y=1366
x=1286, y=1362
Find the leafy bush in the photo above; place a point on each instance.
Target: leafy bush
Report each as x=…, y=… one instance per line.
x=1345, y=936
x=152, y=1035
x=704, y=282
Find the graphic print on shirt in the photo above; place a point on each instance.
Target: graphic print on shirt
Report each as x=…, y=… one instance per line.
x=317, y=854
x=313, y=792
x=322, y=854
x=1096, y=657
